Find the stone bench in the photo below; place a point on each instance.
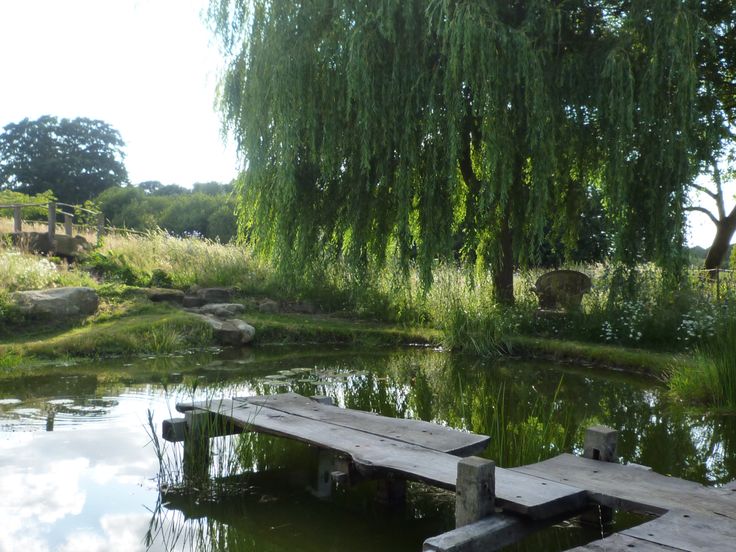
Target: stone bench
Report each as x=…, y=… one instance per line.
x=561, y=289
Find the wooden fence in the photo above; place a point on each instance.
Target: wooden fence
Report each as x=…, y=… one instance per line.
x=56, y=208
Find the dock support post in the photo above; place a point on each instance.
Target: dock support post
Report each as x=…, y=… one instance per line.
x=600, y=444
x=392, y=492
x=475, y=490
x=196, y=447
x=17, y=220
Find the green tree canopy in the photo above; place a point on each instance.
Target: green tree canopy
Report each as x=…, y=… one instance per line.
x=74, y=158
x=387, y=125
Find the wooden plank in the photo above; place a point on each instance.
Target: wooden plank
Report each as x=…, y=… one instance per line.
x=416, y=432
x=685, y=530
x=619, y=486
x=492, y=533
x=373, y=454
x=622, y=543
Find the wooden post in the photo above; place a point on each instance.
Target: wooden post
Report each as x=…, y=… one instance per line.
x=391, y=491
x=600, y=444
x=196, y=447
x=68, y=226
x=100, y=227
x=475, y=490
x=17, y=220
x=52, y=222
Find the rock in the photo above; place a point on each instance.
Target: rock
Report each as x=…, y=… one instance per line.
x=160, y=295
x=203, y=296
x=222, y=310
x=214, y=295
x=192, y=301
x=268, y=306
x=230, y=331
x=57, y=302
x=69, y=247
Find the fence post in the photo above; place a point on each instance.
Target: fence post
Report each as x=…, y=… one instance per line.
x=68, y=228
x=52, y=222
x=17, y=221
x=100, y=227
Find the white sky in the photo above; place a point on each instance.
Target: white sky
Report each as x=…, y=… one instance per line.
x=147, y=67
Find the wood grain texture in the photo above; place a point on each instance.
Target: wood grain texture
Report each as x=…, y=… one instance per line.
x=688, y=531
x=416, y=432
x=618, y=486
x=374, y=455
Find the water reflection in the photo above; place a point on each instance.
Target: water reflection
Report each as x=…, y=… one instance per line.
x=79, y=474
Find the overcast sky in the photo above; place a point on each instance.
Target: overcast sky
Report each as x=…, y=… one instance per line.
x=147, y=67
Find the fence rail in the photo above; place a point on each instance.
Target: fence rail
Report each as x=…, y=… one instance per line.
x=52, y=208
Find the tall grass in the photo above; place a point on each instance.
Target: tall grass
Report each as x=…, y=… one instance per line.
x=22, y=271
x=541, y=434
x=710, y=377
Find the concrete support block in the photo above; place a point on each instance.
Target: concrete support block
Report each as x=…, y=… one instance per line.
x=475, y=490
x=600, y=444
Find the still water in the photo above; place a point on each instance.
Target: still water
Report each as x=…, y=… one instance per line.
x=80, y=472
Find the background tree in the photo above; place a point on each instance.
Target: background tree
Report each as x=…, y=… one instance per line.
x=717, y=103
x=75, y=158
x=377, y=127
x=724, y=220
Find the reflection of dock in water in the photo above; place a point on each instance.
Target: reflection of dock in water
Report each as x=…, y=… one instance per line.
x=494, y=507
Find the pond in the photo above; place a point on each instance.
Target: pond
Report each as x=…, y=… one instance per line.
x=80, y=470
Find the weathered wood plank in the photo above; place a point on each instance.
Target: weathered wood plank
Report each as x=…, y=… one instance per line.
x=623, y=543
x=688, y=531
x=373, y=455
x=491, y=533
x=618, y=486
x=416, y=432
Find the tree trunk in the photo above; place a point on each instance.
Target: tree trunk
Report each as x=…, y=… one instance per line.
x=503, y=271
x=719, y=248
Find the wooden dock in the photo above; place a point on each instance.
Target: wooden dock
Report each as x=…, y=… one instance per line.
x=495, y=507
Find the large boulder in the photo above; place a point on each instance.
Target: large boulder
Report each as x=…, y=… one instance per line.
x=57, y=302
x=230, y=331
x=69, y=247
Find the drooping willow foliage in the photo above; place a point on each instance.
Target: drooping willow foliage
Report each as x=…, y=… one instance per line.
x=431, y=128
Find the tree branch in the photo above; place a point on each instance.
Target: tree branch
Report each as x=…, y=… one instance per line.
x=705, y=191
x=711, y=216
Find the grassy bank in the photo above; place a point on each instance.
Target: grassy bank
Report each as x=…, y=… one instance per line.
x=650, y=326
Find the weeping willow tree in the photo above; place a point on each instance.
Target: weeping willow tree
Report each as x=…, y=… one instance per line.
x=375, y=127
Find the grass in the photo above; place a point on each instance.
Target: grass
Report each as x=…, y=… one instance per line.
x=147, y=333
x=652, y=363
x=708, y=378
x=646, y=326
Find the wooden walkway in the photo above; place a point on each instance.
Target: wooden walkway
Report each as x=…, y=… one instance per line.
x=693, y=517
